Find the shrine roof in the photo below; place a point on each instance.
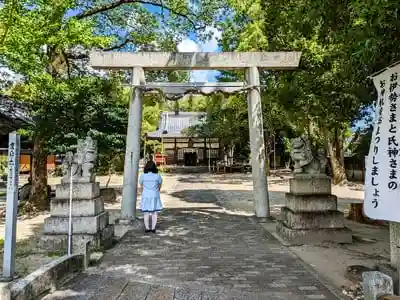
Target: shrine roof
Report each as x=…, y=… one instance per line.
x=172, y=125
x=13, y=115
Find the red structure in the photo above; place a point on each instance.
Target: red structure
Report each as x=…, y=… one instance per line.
x=160, y=159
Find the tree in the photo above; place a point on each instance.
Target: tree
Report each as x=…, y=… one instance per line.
x=339, y=42
x=76, y=106
x=47, y=43
x=342, y=44
x=226, y=119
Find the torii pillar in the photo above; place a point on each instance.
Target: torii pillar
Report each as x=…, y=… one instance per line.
x=249, y=61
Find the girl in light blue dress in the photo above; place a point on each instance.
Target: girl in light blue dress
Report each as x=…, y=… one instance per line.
x=151, y=204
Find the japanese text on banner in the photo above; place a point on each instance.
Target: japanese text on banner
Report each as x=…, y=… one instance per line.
x=382, y=178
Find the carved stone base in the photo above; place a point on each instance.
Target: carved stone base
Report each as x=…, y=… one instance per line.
x=314, y=236
x=310, y=214
x=80, y=208
x=311, y=203
x=81, y=179
x=87, y=190
x=90, y=222
x=59, y=242
x=89, y=225
x=312, y=220
x=304, y=184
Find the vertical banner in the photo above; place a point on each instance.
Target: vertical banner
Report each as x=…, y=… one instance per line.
x=12, y=206
x=382, y=186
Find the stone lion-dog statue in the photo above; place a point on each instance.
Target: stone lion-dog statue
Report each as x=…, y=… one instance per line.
x=304, y=160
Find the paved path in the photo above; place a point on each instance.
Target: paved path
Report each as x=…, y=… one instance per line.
x=199, y=252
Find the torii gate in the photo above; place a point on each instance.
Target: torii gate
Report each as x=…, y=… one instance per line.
x=138, y=62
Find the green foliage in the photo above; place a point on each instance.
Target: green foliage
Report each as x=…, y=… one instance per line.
x=287, y=144
x=111, y=162
x=47, y=43
x=3, y=167
x=196, y=103
x=39, y=36
x=38, y=40
x=156, y=25
x=342, y=43
x=226, y=120
x=360, y=142
x=77, y=106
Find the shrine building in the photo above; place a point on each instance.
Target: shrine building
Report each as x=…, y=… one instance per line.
x=179, y=146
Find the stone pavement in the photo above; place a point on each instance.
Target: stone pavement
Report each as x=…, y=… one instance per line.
x=199, y=252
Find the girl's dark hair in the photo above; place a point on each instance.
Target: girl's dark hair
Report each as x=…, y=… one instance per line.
x=150, y=167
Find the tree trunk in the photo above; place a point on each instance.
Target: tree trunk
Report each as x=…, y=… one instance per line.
x=231, y=153
x=338, y=171
x=209, y=154
x=267, y=150
x=268, y=168
x=356, y=213
x=38, y=197
x=334, y=147
x=109, y=176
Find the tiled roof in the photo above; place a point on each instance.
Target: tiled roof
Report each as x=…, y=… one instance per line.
x=172, y=125
x=13, y=115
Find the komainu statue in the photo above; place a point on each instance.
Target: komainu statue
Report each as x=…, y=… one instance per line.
x=304, y=160
x=81, y=163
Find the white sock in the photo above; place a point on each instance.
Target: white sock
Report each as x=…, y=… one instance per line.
x=153, y=220
x=146, y=220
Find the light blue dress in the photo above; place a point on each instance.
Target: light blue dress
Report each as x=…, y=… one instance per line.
x=151, y=200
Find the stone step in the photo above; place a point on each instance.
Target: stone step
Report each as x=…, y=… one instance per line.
x=80, y=190
x=88, y=225
x=313, y=236
x=310, y=185
x=311, y=202
x=59, y=242
x=312, y=220
x=80, y=208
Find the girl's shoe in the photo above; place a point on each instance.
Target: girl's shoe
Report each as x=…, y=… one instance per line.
x=153, y=231
x=147, y=230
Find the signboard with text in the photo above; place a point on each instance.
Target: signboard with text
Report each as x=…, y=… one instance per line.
x=12, y=206
x=382, y=184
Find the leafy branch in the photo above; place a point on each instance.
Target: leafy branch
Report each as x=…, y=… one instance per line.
x=109, y=6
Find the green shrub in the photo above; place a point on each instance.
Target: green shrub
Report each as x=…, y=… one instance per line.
x=3, y=167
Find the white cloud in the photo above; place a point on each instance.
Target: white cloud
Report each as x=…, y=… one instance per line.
x=212, y=44
x=188, y=45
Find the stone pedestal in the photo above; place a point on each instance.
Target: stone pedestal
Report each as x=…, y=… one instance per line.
x=89, y=220
x=121, y=227
x=310, y=214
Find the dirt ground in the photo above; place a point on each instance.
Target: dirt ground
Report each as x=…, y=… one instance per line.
x=233, y=192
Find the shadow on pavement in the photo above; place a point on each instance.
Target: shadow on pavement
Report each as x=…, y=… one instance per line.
x=210, y=254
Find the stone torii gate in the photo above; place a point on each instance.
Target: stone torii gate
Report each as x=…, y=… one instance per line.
x=138, y=62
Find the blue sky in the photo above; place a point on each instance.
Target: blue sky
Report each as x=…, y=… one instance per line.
x=192, y=44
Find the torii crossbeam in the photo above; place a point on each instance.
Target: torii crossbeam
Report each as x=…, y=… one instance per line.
x=141, y=61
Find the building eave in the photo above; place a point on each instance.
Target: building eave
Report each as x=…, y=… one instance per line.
x=13, y=115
